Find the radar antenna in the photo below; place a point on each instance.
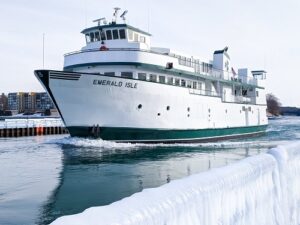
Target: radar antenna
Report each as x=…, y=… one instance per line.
x=99, y=21
x=116, y=14
x=123, y=15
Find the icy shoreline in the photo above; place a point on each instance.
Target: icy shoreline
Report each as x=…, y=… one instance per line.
x=263, y=189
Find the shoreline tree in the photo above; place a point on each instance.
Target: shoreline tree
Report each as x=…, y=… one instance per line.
x=273, y=104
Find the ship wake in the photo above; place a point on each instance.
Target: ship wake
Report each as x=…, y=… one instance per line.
x=107, y=145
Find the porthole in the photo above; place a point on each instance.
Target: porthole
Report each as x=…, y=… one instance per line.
x=168, y=108
x=158, y=114
x=188, y=109
x=226, y=111
x=209, y=110
x=140, y=106
x=188, y=115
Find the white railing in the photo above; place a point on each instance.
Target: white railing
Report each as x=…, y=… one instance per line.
x=24, y=123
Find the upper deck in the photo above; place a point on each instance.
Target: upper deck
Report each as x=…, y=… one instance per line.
x=122, y=44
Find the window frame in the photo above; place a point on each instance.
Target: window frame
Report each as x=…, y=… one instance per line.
x=121, y=34
x=115, y=34
x=108, y=35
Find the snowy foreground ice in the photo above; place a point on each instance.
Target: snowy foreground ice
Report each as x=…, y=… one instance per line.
x=263, y=189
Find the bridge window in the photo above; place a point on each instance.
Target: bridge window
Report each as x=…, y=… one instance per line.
x=87, y=37
x=97, y=36
x=136, y=37
x=102, y=34
x=142, y=39
x=92, y=35
x=122, y=33
x=115, y=34
x=142, y=76
x=108, y=35
x=130, y=35
x=127, y=74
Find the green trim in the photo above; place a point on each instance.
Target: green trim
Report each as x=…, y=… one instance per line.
x=161, y=69
x=123, y=134
x=114, y=26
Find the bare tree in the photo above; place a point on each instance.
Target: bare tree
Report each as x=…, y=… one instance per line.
x=273, y=104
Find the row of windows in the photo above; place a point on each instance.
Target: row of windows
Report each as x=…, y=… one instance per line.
x=114, y=35
x=161, y=79
x=105, y=35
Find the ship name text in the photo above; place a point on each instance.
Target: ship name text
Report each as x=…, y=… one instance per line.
x=115, y=83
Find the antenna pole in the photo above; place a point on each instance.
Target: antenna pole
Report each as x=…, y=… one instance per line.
x=43, y=50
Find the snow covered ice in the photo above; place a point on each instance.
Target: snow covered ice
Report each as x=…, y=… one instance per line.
x=262, y=189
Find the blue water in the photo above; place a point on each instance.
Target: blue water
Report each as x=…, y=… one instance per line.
x=42, y=178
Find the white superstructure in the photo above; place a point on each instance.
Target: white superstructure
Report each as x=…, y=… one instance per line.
x=118, y=87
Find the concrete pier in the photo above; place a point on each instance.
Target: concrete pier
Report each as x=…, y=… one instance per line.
x=31, y=127
x=31, y=131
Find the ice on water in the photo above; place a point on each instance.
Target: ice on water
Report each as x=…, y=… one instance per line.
x=263, y=189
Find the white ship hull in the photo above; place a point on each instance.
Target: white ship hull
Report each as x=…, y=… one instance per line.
x=131, y=110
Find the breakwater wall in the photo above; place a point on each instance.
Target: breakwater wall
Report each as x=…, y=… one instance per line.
x=263, y=189
x=31, y=127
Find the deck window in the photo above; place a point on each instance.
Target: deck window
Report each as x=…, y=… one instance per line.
x=189, y=84
x=177, y=82
x=183, y=82
x=87, y=37
x=115, y=34
x=153, y=78
x=130, y=35
x=108, y=35
x=136, y=37
x=127, y=74
x=194, y=85
x=142, y=39
x=109, y=74
x=170, y=80
x=122, y=34
x=92, y=35
x=102, y=34
x=162, y=79
x=142, y=76
x=97, y=36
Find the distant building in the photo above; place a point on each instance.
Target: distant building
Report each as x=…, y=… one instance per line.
x=3, y=102
x=13, y=101
x=31, y=102
x=43, y=101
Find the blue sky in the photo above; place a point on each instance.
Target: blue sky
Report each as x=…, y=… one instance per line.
x=260, y=35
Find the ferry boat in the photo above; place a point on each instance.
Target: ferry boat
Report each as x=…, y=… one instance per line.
x=119, y=87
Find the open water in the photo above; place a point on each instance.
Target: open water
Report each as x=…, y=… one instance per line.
x=45, y=177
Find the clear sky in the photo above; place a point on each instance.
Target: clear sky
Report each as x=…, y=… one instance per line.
x=260, y=35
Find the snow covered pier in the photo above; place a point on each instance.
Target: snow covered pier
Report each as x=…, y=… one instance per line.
x=263, y=189
x=31, y=127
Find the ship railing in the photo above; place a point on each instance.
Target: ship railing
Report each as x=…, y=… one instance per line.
x=201, y=68
x=24, y=123
x=204, y=92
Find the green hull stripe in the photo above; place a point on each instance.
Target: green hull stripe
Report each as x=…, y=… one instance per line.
x=160, y=135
